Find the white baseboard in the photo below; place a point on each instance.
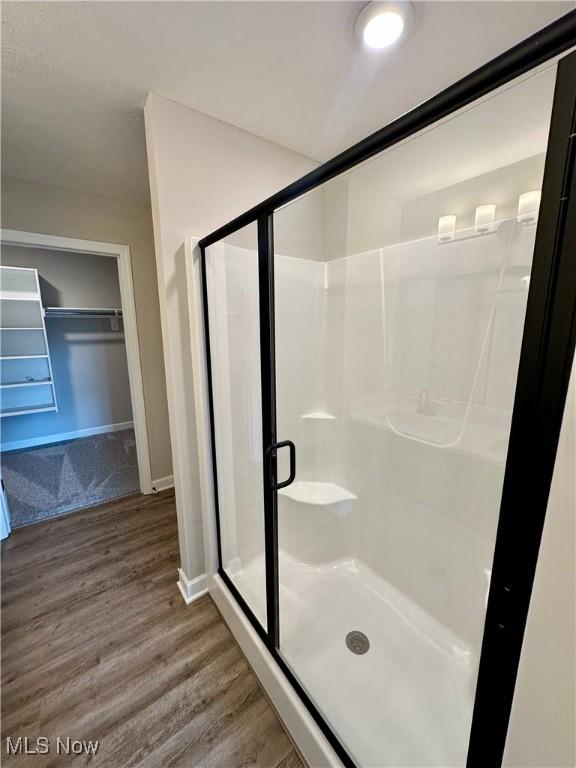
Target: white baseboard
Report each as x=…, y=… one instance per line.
x=60, y=437
x=192, y=589
x=163, y=483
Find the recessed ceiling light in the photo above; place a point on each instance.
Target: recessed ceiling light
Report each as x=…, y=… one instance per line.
x=380, y=25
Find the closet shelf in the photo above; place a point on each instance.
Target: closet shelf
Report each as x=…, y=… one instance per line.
x=29, y=386
x=24, y=409
x=15, y=384
x=320, y=494
x=5, y=297
x=23, y=357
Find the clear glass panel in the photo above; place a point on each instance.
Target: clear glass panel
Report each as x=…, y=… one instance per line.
x=234, y=322
x=396, y=361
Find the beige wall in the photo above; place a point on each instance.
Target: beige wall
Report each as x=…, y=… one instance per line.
x=203, y=172
x=54, y=211
x=542, y=731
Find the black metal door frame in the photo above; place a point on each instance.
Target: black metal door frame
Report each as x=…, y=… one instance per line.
x=545, y=363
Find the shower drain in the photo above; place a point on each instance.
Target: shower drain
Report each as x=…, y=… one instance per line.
x=357, y=642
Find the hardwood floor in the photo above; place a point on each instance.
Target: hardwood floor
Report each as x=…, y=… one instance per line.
x=98, y=644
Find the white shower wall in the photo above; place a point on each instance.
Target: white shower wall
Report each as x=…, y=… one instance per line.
x=234, y=323
x=395, y=379
x=427, y=337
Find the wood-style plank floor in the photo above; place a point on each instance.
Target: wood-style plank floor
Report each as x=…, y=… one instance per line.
x=98, y=644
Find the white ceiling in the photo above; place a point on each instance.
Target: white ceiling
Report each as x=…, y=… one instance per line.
x=76, y=75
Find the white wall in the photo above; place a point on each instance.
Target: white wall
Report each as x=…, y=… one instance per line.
x=89, y=362
x=203, y=172
x=51, y=210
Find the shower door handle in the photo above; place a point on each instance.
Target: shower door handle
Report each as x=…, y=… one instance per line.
x=270, y=453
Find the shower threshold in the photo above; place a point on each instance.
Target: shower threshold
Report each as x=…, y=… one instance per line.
x=408, y=701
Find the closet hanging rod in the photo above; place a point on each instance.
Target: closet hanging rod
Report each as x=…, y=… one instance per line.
x=86, y=312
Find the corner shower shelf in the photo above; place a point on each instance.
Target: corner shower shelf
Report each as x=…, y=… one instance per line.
x=318, y=415
x=320, y=494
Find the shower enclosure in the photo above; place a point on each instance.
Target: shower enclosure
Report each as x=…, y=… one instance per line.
x=385, y=405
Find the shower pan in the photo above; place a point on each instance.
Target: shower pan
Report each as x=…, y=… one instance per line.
x=384, y=410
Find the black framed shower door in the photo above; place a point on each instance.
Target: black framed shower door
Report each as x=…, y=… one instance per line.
x=546, y=357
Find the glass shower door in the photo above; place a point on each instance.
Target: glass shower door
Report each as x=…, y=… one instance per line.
x=400, y=296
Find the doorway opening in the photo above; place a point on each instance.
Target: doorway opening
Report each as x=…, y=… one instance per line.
x=72, y=406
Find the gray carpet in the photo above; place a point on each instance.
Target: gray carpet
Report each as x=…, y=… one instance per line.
x=52, y=479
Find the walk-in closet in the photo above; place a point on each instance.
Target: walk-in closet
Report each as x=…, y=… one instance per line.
x=66, y=414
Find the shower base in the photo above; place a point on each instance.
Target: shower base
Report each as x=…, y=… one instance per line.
x=408, y=700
